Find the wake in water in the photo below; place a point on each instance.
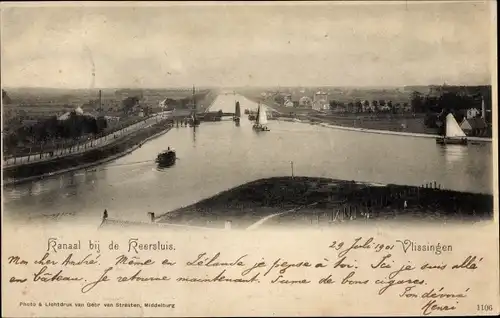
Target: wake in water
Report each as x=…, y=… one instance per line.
x=117, y=165
x=159, y=168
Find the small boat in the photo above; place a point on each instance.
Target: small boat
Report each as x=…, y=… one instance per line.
x=261, y=120
x=454, y=135
x=166, y=158
x=237, y=112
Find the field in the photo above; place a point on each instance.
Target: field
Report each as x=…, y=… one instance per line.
x=36, y=103
x=401, y=123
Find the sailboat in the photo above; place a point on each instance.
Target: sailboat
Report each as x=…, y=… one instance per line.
x=261, y=120
x=454, y=135
x=193, y=120
x=237, y=112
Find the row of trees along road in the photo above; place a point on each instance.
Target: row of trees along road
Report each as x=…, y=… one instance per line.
x=53, y=130
x=358, y=106
x=448, y=101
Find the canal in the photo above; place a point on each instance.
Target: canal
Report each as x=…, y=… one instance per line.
x=220, y=155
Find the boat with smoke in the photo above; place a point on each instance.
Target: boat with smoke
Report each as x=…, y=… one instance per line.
x=166, y=158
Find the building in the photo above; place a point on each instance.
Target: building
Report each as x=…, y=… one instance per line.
x=163, y=104
x=474, y=126
x=305, y=102
x=472, y=113
x=320, y=101
x=288, y=103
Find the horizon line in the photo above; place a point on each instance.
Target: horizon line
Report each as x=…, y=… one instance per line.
x=243, y=86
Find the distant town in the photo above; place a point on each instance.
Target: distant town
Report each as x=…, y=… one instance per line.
x=424, y=106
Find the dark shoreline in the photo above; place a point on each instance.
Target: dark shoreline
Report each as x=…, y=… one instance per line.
x=329, y=201
x=93, y=157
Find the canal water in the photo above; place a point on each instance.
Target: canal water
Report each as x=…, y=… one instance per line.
x=220, y=155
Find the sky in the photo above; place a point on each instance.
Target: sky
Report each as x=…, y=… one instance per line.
x=259, y=44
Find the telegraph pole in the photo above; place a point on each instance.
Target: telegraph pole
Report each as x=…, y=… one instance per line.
x=291, y=165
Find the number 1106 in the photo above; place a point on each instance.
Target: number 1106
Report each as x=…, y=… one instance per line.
x=484, y=307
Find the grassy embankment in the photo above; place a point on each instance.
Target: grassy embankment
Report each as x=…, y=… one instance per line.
x=398, y=122
x=122, y=146
x=328, y=201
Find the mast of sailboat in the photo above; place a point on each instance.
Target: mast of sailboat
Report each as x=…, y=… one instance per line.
x=258, y=114
x=237, y=111
x=194, y=101
x=194, y=104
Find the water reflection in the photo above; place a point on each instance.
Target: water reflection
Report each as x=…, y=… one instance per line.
x=194, y=136
x=454, y=153
x=35, y=189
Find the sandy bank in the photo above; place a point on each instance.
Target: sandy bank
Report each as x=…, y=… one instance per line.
x=326, y=123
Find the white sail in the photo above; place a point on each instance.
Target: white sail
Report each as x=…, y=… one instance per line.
x=262, y=116
x=452, y=127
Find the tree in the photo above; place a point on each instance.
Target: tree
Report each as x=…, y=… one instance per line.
x=417, y=102
x=333, y=104
x=375, y=104
x=129, y=103
x=5, y=97
x=391, y=106
x=381, y=102
x=397, y=108
x=430, y=120
x=279, y=99
x=359, y=106
x=101, y=123
x=350, y=107
x=366, y=104
x=431, y=104
x=454, y=101
x=51, y=126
